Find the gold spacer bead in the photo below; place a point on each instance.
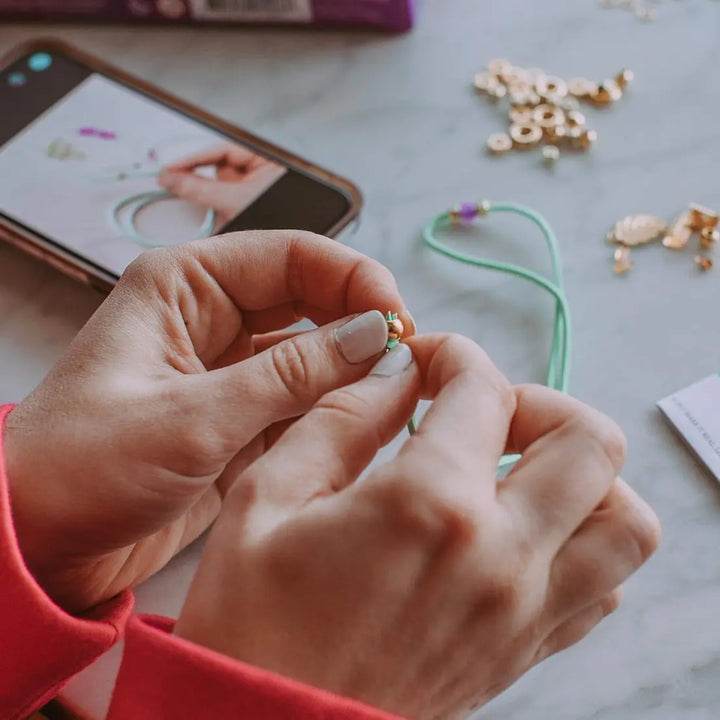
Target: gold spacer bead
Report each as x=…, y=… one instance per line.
x=709, y=237
x=703, y=262
x=499, y=143
x=624, y=78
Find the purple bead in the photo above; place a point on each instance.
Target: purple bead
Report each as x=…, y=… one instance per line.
x=87, y=131
x=468, y=211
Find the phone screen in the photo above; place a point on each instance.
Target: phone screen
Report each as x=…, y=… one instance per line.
x=106, y=171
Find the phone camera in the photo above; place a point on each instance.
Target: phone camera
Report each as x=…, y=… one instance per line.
x=39, y=62
x=16, y=79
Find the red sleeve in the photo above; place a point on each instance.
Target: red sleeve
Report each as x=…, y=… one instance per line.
x=165, y=676
x=41, y=646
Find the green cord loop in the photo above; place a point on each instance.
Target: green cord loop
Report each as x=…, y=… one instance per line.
x=558, y=370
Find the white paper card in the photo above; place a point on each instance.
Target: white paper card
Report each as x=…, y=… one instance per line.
x=695, y=413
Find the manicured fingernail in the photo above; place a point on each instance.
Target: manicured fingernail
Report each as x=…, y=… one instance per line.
x=394, y=362
x=362, y=337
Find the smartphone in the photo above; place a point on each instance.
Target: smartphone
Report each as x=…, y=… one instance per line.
x=96, y=166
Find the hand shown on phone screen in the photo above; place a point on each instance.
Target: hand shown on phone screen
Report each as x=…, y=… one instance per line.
x=241, y=177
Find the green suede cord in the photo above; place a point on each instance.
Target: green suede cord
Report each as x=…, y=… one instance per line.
x=558, y=369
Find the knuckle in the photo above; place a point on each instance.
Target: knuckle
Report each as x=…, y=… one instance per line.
x=290, y=366
x=427, y=516
x=643, y=529
x=348, y=403
x=611, y=602
x=602, y=433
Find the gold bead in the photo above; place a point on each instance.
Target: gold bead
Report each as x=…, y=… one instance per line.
x=703, y=262
x=499, y=67
x=395, y=329
x=499, y=143
x=607, y=92
x=556, y=135
x=485, y=82
x=581, y=87
x=623, y=263
x=551, y=154
x=550, y=86
x=525, y=135
x=575, y=119
x=548, y=116
x=521, y=114
x=624, y=78
x=709, y=237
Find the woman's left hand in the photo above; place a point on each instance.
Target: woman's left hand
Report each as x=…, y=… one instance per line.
x=122, y=455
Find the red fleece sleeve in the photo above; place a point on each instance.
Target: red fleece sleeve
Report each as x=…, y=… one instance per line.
x=41, y=646
x=164, y=676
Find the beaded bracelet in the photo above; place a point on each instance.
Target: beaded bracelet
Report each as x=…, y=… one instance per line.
x=559, y=362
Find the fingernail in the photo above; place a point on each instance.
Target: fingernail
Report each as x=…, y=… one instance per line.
x=362, y=337
x=394, y=362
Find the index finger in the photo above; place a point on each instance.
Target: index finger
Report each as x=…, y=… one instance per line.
x=259, y=270
x=237, y=154
x=467, y=426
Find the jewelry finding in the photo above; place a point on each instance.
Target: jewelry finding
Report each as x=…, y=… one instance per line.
x=636, y=230
x=395, y=329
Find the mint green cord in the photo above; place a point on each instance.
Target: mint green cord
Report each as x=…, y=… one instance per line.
x=559, y=363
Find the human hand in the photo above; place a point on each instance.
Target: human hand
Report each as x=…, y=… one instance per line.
x=428, y=587
x=121, y=456
x=241, y=177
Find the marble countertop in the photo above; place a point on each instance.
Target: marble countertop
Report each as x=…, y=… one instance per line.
x=398, y=116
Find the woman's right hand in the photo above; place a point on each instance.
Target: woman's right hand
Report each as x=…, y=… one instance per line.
x=428, y=587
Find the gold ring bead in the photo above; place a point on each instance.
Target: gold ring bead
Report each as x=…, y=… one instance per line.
x=484, y=82
x=551, y=86
x=521, y=114
x=525, y=135
x=581, y=87
x=547, y=116
x=499, y=143
x=575, y=119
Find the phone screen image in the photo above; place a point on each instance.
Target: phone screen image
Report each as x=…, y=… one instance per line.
x=105, y=171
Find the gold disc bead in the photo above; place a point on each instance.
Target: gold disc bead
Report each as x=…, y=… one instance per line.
x=485, y=82
x=499, y=143
x=525, y=136
x=581, y=87
x=521, y=114
x=499, y=67
x=703, y=262
x=551, y=87
x=575, y=119
x=548, y=116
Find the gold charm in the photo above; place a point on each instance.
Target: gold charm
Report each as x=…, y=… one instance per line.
x=679, y=235
x=623, y=264
x=709, y=238
x=637, y=230
x=701, y=217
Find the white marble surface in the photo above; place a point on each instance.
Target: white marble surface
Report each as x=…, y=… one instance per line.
x=397, y=115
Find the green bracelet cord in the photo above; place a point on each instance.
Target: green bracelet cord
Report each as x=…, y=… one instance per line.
x=559, y=363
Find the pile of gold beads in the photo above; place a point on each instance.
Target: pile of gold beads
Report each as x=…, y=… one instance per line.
x=544, y=109
x=636, y=230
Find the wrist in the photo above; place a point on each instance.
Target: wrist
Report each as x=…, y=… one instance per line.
x=30, y=523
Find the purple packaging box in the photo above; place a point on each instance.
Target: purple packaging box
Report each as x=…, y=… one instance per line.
x=394, y=15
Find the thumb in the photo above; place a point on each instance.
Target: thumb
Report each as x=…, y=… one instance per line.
x=328, y=448
x=285, y=380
